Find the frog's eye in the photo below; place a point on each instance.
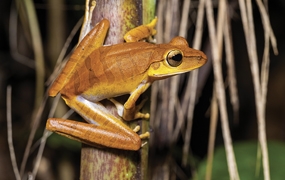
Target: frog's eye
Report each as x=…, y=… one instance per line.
x=174, y=58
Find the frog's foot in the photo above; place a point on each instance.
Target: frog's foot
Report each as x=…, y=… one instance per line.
x=145, y=135
x=137, y=129
x=140, y=105
x=141, y=32
x=135, y=111
x=132, y=113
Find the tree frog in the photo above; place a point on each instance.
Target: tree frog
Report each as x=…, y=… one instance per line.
x=95, y=73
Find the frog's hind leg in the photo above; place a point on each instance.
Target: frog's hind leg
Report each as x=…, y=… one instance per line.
x=92, y=134
x=104, y=129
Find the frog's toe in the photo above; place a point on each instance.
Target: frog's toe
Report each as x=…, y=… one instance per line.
x=137, y=129
x=134, y=112
x=139, y=115
x=145, y=135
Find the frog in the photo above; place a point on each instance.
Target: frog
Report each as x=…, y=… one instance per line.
x=95, y=73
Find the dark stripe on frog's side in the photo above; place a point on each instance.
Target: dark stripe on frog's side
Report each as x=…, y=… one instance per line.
x=76, y=82
x=104, y=61
x=91, y=77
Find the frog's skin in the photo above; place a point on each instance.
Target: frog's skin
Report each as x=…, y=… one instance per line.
x=95, y=72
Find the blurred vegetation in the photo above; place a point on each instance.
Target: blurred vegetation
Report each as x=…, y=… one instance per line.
x=249, y=164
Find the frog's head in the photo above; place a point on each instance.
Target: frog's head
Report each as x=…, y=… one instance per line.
x=177, y=58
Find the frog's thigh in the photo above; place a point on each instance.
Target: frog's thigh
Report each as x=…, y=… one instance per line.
x=104, y=126
x=94, y=135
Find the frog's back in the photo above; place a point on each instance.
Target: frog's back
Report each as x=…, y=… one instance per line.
x=113, y=69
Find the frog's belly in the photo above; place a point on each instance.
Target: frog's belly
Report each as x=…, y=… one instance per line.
x=105, y=91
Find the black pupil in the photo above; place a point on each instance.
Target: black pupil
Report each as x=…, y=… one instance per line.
x=177, y=57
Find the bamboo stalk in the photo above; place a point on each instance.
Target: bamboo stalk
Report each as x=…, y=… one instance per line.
x=106, y=163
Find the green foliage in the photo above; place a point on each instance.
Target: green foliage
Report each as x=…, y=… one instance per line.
x=249, y=164
x=56, y=141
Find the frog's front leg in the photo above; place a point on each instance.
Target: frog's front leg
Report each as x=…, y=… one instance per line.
x=104, y=129
x=130, y=111
x=141, y=32
x=134, y=112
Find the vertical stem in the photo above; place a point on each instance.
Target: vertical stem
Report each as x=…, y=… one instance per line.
x=215, y=36
x=40, y=72
x=38, y=50
x=107, y=163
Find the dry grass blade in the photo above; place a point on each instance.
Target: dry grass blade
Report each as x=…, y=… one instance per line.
x=38, y=50
x=247, y=19
x=184, y=18
x=10, y=133
x=32, y=135
x=190, y=114
x=192, y=84
x=212, y=136
x=219, y=87
x=269, y=35
x=265, y=68
x=220, y=27
x=173, y=97
x=230, y=66
x=180, y=120
x=266, y=25
x=40, y=153
x=13, y=41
